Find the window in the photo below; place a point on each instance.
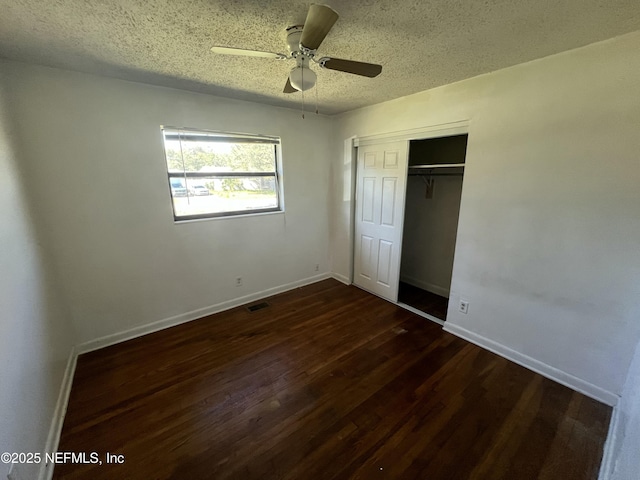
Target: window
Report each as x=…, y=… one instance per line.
x=213, y=174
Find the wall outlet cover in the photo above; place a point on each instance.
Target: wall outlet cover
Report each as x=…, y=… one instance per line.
x=463, y=307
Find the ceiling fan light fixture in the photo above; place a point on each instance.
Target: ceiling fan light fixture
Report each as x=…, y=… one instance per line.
x=302, y=78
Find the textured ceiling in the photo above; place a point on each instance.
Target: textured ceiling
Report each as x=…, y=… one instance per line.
x=420, y=43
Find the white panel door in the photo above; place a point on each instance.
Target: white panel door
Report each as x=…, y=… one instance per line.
x=381, y=181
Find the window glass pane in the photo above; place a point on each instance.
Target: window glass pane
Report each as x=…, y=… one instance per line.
x=219, y=174
x=215, y=195
x=206, y=156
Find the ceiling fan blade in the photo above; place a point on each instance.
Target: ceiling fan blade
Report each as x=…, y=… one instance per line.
x=247, y=53
x=319, y=21
x=288, y=88
x=350, y=66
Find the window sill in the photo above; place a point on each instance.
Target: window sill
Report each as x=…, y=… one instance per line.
x=227, y=217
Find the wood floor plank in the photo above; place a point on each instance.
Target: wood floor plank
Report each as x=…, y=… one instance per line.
x=327, y=382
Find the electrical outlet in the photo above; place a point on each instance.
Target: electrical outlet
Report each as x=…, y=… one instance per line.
x=317, y=267
x=239, y=282
x=463, y=307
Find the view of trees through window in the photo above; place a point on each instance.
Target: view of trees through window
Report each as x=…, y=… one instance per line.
x=213, y=175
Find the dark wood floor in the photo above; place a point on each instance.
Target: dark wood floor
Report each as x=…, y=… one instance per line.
x=328, y=382
x=424, y=301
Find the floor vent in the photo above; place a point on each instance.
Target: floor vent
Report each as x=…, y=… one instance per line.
x=257, y=306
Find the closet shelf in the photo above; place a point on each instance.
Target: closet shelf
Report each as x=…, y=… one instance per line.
x=437, y=165
x=428, y=170
x=428, y=174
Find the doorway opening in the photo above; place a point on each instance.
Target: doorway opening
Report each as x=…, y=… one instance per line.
x=432, y=206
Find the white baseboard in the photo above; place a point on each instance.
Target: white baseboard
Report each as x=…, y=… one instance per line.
x=46, y=470
x=341, y=278
x=566, y=379
x=141, y=330
x=610, y=446
x=429, y=287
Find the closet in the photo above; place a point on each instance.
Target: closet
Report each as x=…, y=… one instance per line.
x=432, y=205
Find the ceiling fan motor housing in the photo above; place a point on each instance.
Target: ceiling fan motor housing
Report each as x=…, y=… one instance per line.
x=293, y=38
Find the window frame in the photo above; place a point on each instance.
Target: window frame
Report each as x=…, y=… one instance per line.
x=225, y=136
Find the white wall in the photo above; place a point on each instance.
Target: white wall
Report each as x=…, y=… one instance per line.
x=95, y=164
x=548, y=253
x=429, y=233
x=35, y=334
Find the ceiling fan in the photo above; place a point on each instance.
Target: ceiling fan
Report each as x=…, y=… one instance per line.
x=303, y=42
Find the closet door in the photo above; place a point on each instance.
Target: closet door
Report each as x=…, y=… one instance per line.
x=380, y=190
